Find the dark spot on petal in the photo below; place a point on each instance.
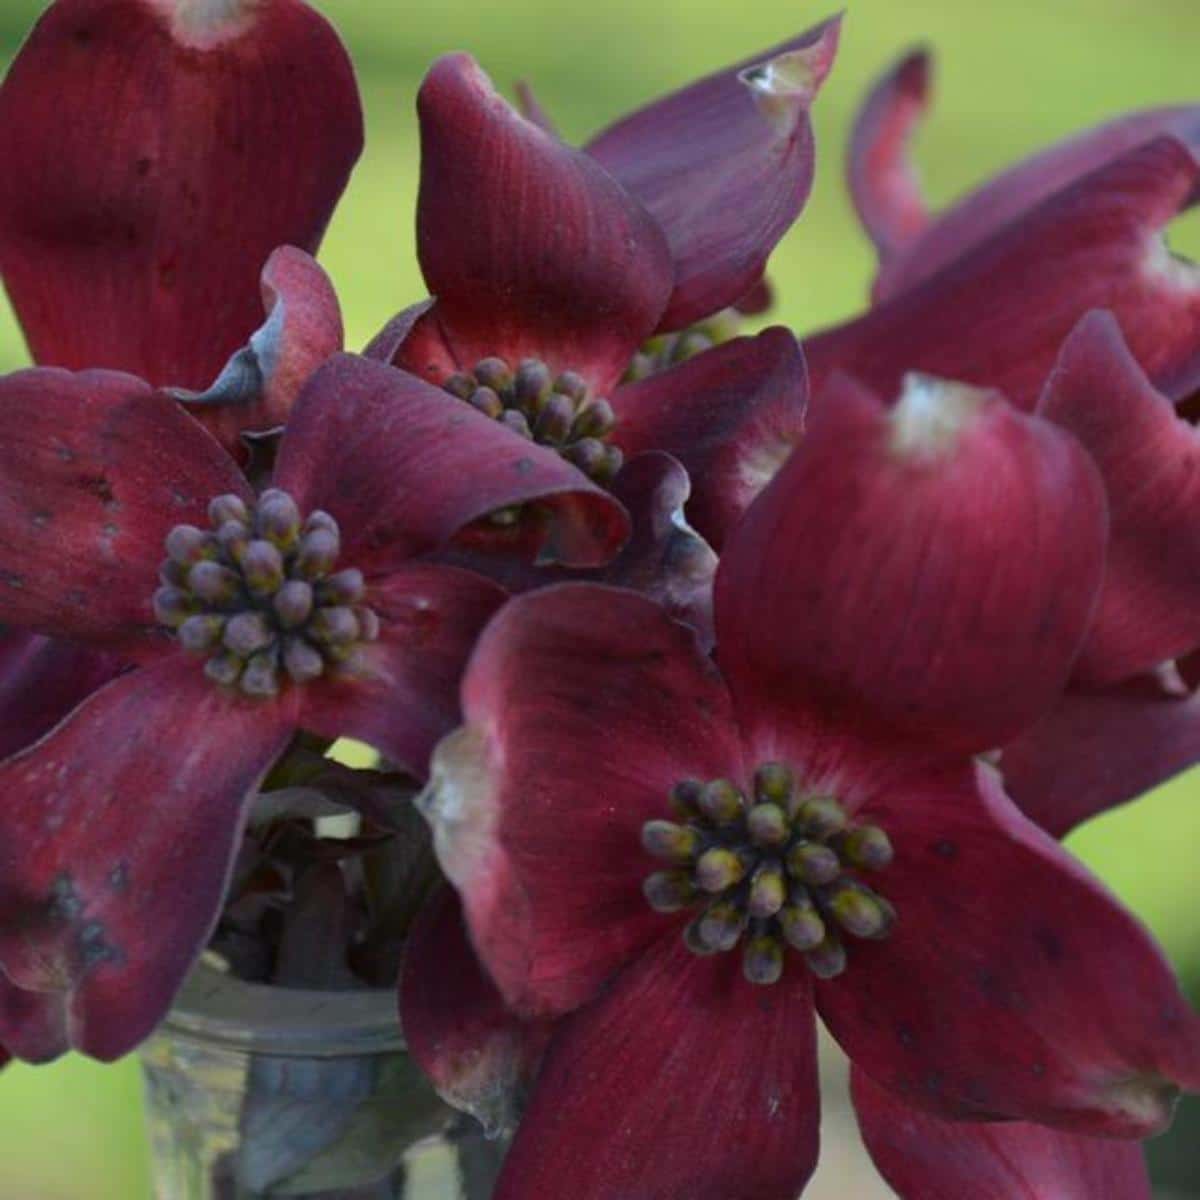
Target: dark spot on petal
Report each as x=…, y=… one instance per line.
x=83, y=36
x=907, y=1037
x=933, y=1082
x=946, y=849
x=94, y=946
x=144, y=166
x=65, y=454
x=14, y=581
x=523, y=466
x=98, y=486
x=64, y=903
x=1038, y=1069
x=76, y=597
x=40, y=520
x=1050, y=944
x=111, y=530
x=118, y=877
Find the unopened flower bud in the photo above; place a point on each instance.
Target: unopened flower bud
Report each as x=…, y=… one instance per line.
x=319, y=519
x=200, y=633
x=813, y=863
x=246, y=633
x=171, y=607
x=459, y=385
x=234, y=537
x=186, y=544
x=685, y=798
x=774, y=782
x=342, y=587
x=590, y=455
x=762, y=960
x=486, y=401
x=554, y=421
x=213, y=582
x=819, y=817
x=802, y=925
x=675, y=843
x=720, y=801
x=302, y=661
x=335, y=626
x=224, y=669
x=228, y=508
x=531, y=383
x=767, y=824
x=294, y=603
x=261, y=676
x=768, y=890
x=858, y=910
x=318, y=551
x=493, y=373
x=719, y=868
x=278, y=518
x=721, y=925
x=572, y=385
x=262, y=567
x=517, y=422
x=867, y=846
x=827, y=960
x=595, y=419
x=669, y=891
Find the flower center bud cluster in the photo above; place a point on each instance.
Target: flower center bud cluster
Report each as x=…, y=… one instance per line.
x=783, y=869
x=668, y=350
x=257, y=594
x=555, y=411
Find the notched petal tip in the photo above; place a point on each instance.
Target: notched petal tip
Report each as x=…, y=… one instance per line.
x=931, y=414
x=457, y=804
x=203, y=24
x=784, y=87
x=1144, y=1103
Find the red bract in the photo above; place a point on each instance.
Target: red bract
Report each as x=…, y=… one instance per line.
x=924, y=1158
x=988, y=291
x=552, y=266
x=821, y=806
x=137, y=243
x=189, y=141
x=1127, y=723
x=118, y=826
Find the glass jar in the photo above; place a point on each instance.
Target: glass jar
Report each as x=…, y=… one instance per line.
x=264, y=1091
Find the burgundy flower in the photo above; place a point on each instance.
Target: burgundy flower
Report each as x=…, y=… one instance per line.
x=818, y=808
x=157, y=153
x=1129, y=721
x=125, y=526
x=552, y=266
x=136, y=244
x=988, y=291
x=925, y=1158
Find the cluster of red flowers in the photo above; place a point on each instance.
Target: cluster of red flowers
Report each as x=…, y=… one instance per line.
x=691, y=781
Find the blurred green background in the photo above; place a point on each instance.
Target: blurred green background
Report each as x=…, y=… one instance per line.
x=1010, y=77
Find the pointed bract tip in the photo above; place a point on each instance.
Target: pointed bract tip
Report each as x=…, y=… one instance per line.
x=459, y=72
x=784, y=87
x=931, y=414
